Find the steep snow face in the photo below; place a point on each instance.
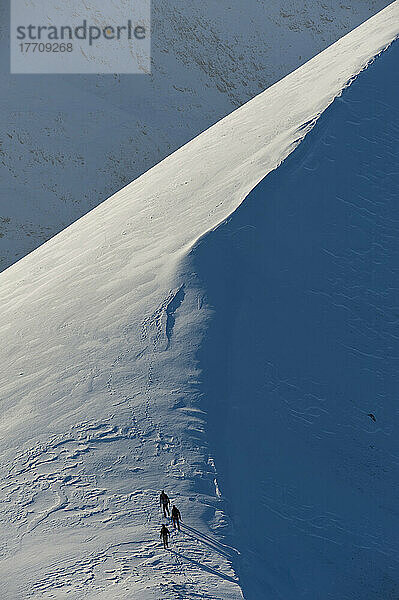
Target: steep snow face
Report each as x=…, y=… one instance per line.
x=102, y=395
x=69, y=142
x=300, y=362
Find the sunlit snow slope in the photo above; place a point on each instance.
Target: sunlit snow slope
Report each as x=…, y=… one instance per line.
x=102, y=382
x=69, y=142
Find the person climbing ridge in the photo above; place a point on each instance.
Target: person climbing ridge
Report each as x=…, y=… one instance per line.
x=165, y=533
x=164, y=502
x=176, y=517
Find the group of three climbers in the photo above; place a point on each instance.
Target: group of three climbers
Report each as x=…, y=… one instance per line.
x=164, y=502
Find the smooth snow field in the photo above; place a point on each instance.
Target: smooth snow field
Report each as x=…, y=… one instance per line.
x=67, y=142
x=221, y=328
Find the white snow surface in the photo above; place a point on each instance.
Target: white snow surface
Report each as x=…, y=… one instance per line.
x=68, y=142
x=100, y=388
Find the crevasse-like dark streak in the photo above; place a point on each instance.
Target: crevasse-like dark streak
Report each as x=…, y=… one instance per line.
x=170, y=310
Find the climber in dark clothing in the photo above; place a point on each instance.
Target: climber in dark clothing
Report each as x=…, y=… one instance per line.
x=165, y=533
x=176, y=517
x=164, y=502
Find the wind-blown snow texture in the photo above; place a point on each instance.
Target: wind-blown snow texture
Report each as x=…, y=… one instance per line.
x=69, y=142
x=303, y=350
x=102, y=393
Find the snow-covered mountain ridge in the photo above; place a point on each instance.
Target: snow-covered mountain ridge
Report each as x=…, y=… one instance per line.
x=69, y=142
x=101, y=393
x=299, y=357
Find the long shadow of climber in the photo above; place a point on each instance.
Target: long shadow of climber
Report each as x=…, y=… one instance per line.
x=205, y=568
x=212, y=543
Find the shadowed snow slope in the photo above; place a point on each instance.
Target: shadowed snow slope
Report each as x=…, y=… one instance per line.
x=102, y=393
x=300, y=362
x=68, y=142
